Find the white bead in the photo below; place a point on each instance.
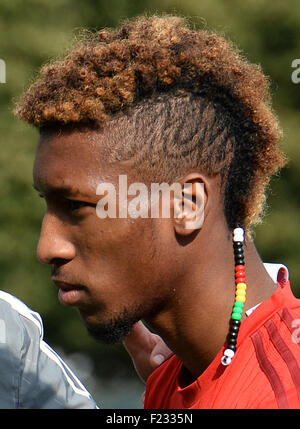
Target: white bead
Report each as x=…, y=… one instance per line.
x=238, y=231
x=238, y=238
x=225, y=360
x=238, y=234
x=229, y=353
x=227, y=357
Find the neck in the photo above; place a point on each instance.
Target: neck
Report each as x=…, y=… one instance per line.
x=195, y=324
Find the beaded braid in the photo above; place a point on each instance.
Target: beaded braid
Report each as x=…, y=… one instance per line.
x=240, y=296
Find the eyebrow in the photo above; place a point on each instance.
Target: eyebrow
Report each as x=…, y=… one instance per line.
x=61, y=190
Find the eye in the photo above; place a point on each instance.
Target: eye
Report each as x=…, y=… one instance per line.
x=74, y=205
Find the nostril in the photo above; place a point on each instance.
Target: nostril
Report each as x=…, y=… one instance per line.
x=55, y=251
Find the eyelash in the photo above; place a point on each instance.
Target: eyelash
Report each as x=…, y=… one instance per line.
x=71, y=203
x=78, y=205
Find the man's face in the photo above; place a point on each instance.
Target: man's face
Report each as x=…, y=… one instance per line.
x=115, y=271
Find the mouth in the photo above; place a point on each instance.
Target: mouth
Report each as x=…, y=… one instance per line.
x=69, y=294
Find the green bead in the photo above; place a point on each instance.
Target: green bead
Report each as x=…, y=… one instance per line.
x=236, y=316
x=239, y=304
x=237, y=309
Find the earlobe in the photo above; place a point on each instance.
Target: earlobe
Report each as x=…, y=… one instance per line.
x=189, y=211
x=180, y=224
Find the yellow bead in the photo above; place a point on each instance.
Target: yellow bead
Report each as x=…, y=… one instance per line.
x=240, y=292
x=241, y=286
x=240, y=298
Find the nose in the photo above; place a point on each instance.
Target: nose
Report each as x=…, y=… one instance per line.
x=53, y=243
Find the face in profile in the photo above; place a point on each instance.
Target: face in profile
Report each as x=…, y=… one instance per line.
x=115, y=271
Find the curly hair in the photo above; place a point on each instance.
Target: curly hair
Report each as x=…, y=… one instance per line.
x=192, y=99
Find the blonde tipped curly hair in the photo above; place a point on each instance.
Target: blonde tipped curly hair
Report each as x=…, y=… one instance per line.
x=193, y=101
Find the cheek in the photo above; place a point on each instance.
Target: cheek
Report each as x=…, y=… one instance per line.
x=116, y=252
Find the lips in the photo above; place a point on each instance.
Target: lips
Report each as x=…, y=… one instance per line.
x=69, y=294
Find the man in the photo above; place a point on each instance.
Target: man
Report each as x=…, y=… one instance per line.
x=32, y=375
x=156, y=102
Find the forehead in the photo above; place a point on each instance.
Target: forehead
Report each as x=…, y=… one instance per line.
x=73, y=159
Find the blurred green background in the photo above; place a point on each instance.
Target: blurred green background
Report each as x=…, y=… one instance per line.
x=34, y=31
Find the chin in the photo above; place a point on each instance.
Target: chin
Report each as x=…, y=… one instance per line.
x=112, y=331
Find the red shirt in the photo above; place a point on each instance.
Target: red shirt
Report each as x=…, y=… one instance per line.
x=264, y=373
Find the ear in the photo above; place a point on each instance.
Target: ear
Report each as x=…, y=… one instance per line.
x=189, y=207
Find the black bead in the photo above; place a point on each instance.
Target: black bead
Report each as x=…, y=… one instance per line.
x=238, y=248
x=231, y=347
x=238, y=253
x=234, y=322
x=234, y=329
x=240, y=262
x=238, y=245
x=231, y=344
x=232, y=334
x=231, y=341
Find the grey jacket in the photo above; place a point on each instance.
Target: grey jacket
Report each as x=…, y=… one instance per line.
x=32, y=375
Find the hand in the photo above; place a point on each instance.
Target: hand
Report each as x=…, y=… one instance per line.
x=146, y=350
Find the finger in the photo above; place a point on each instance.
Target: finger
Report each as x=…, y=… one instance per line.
x=139, y=339
x=160, y=353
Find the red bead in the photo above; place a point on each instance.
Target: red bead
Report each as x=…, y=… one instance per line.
x=240, y=280
x=240, y=268
x=240, y=273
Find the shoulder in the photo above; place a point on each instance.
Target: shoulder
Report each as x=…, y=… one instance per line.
x=32, y=374
x=15, y=317
x=277, y=348
x=19, y=329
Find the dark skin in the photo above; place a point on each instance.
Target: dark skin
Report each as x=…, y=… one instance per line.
x=180, y=281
